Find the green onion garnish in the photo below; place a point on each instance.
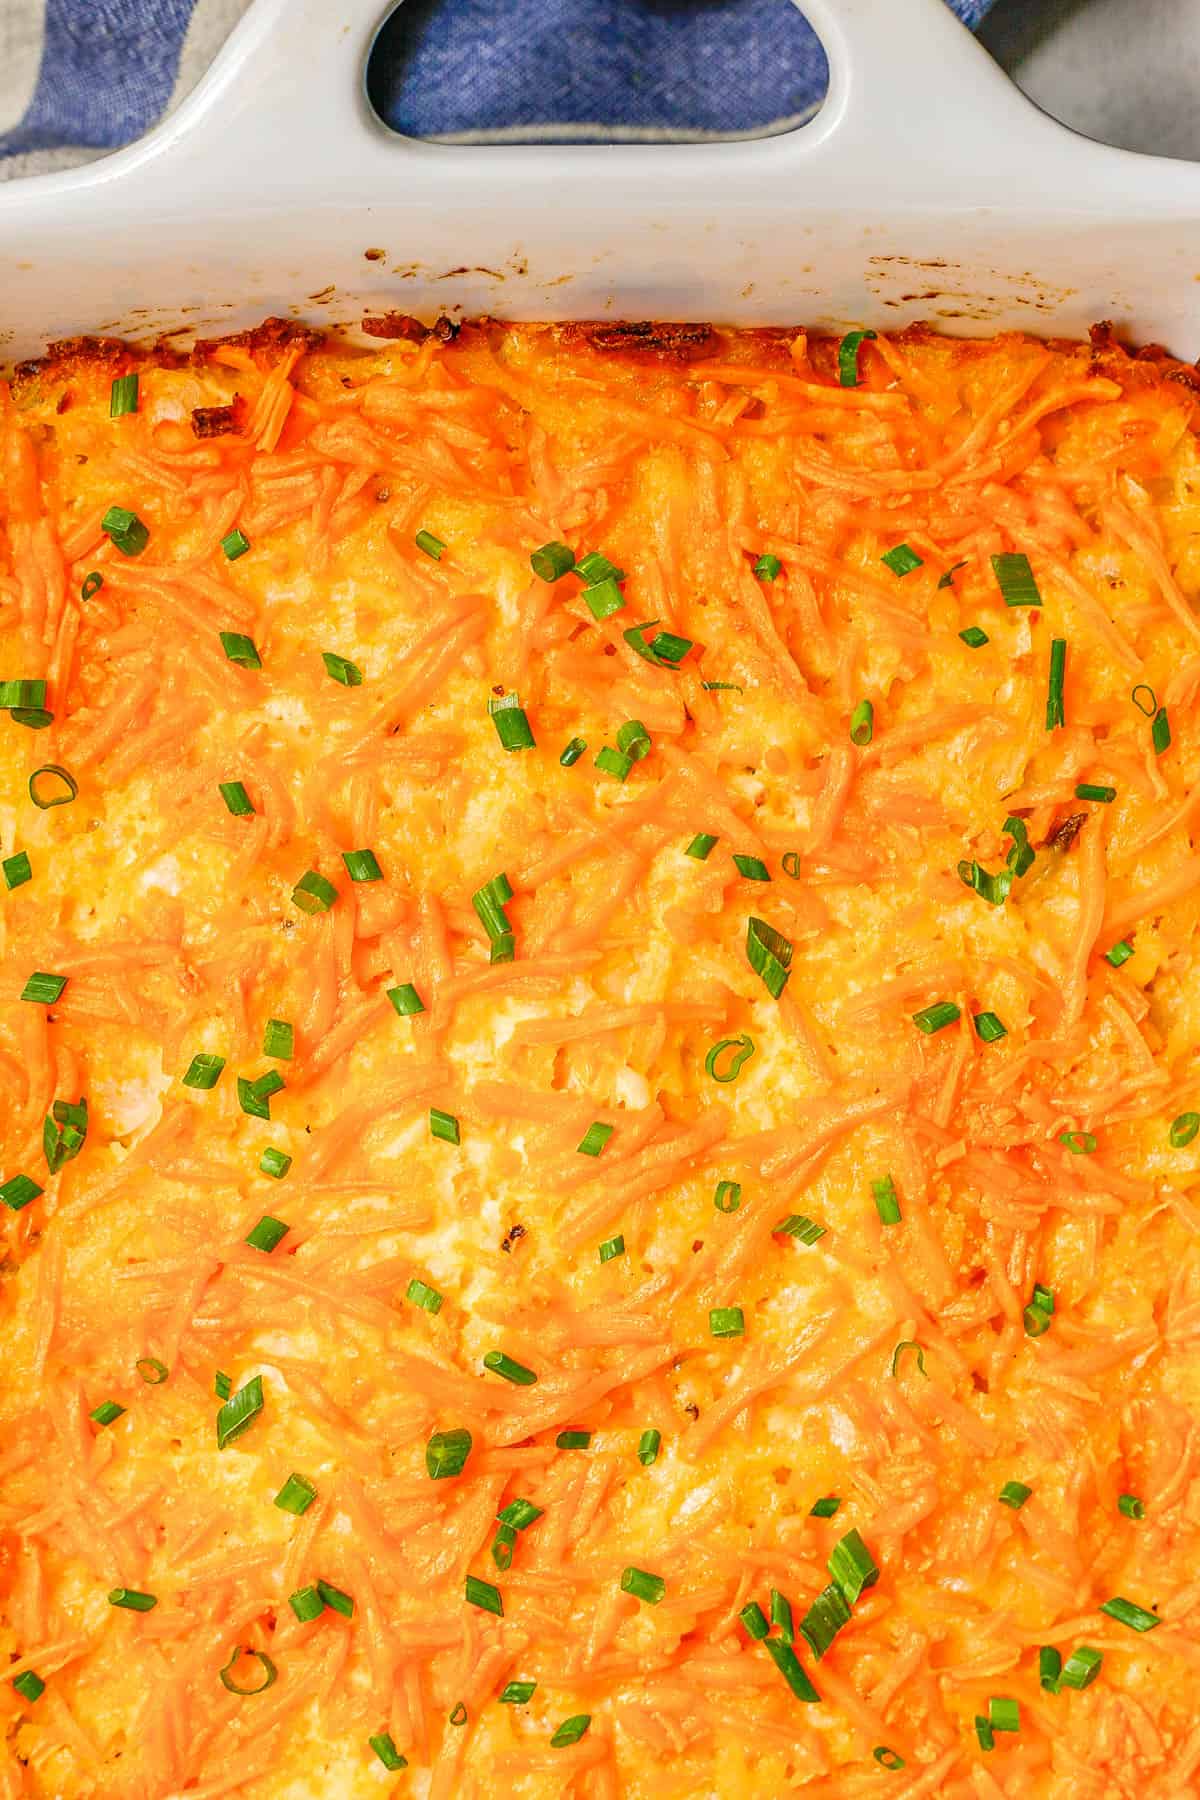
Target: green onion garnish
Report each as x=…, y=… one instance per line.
x=520, y=1514
x=517, y=1693
x=1050, y=1664
x=125, y=531
x=44, y=989
x=204, y=1071
x=222, y=1385
x=1160, y=731
x=726, y=1322
x=701, y=846
x=1120, y=953
x=18, y=1191
x=36, y=718
x=825, y=1508
x=1127, y=1612
x=270, y=1672
x=1183, y=1130
x=152, y=1372
x=633, y=740
x=852, y=1566
x=341, y=669
x=824, y=1619
x=781, y=1616
x=799, y=1225
x=902, y=560
x=279, y=1040
x=313, y=893
x=1079, y=1143
x=848, y=356
x=604, y=598
x=132, y=1599
x=459, y=1714
x=509, y=1368
x=1014, y=1494
x=594, y=1139
x=613, y=762
x=552, y=561
x=887, y=1758
x=572, y=1440
x=384, y=1746
x=234, y=794
x=483, y=1595
x=1149, y=706
x=38, y=788
x=1131, y=1507
x=239, y=1412
x=336, y=1599
x=432, y=546
x=767, y=567
x=254, y=1097
x=1081, y=1668
x=571, y=1730
x=612, y=1247
x=594, y=567
x=268, y=1234
x=751, y=867
x=988, y=1028
x=28, y=696
x=1038, y=1314
x=946, y=580
x=362, y=865
x=754, y=1621
x=1091, y=790
x=887, y=1203
x=1055, y=706
x=573, y=751
x=235, y=543
x=728, y=1196
x=650, y=1588
x=64, y=1132
x=512, y=726
x=898, y=1352
x=769, y=954
x=17, y=870
x=92, y=585
x=1004, y=1714
x=790, y=1667
x=984, y=1733
x=972, y=635
x=107, y=1413
x=123, y=396
x=31, y=1687
x=936, y=1017
x=240, y=649
x=1043, y=1297
x=862, y=723
x=444, y=1125
x=296, y=1495
x=446, y=1453
x=406, y=999
x=503, y=1547
x=649, y=1445
x=1015, y=577
x=422, y=1295
x=307, y=1604
x=489, y=902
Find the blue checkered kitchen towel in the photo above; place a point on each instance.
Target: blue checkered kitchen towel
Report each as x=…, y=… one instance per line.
x=79, y=77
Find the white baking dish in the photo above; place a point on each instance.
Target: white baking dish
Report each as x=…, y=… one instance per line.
x=927, y=187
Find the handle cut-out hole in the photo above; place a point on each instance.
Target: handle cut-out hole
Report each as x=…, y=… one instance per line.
x=595, y=71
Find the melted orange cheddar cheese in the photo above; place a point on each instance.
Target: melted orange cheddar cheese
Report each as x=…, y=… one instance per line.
x=599, y=1160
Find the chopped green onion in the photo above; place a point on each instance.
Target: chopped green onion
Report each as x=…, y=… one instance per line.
x=1004, y=1714
x=1127, y=1612
x=573, y=751
x=826, y=1616
x=483, y=1595
x=270, y=1672
x=489, y=902
x=594, y=567
x=613, y=762
x=444, y=1125
x=239, y=1412
x=279, y=1040
x=336, y=1599
x=501, y=1364
x=107, y=1413
x=862, y=723
x=649, y=1445
x=848, y=356
x=125, y=531
x=235, y=543
x=670, y=649
x=204, y=1071
x=1050, y=1664
x=37, y=787
x=769, y=954
x=897, y=1353
x=31, y=1687
x=1014, y=1494
x=1081, y=1668
x=552, y=561
x=754, y=1621
x=234, y=794
x=132, y=1599
x=798, y=1225
x=1015, y=579
x=825, y=1508
x=972, y=635
x=64, y=1133
x=152, y=1372
x=572, y=1440
x=362, y=865
x=1055, y=706
x=701, y=846
x=984, y=1733
x=17, y=870
x=1149, y=706
x=123, y=396
x=1079, y=1143
x=384, y=1746
x=791, y=1668
x=1131, y=1506
x=18, y=1191
x=1120, y=953
x=604, y=598
x=222, y=1385
x=1160, y=731
x=35, y=717
x=520, y=1514
x=240, y=649
x=1043, y=1297
x=517, y=1693
x=767, y=567
x=852, y=1566
x=348, y=673
x=92, y=585
x=44, y=989
x=722, y=687
x=1036, y=1320
x=1090, y=790
x=726, y=1322
x=571, y=1730
x=459, y=1715
x=888, y=1759
x=422, y=1295
x=946, y=580
x=406, y=999
x=751, y=867
x=1183, y=1130
x=313, y=893
x=307, y=1604
x=512, y=726
x=612, y=1247
x=446, y=1453
x=781, y=1616
x=728, y=1196
x=887, y=1202
x=594, y=1139
x=503, y=1547
x=936, y=1017
x=268, y=1234
x=635, y=637
x=251, y=1098
x=503, y=949
x=650, y=1588
x=790, y=864
x=988, y=1028
x=432, y=546
x=902, y=560
x=296, y=1495
x=23, y=695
